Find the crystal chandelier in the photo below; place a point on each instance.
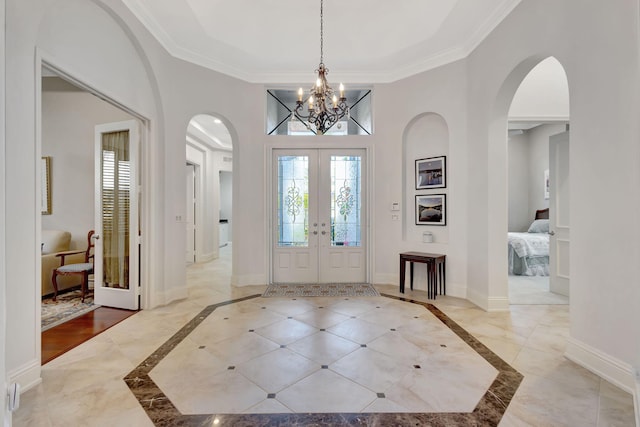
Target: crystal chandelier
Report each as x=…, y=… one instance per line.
x=325, y=108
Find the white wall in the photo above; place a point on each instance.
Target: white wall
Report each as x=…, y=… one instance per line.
x=528, y=159
x=85, y=41
x=4, y=414
x=538, y=163
x=226, y=197
x=598, y=45
x=543, y=94
x=69, y=118
x=471, y=95
x=519, y=213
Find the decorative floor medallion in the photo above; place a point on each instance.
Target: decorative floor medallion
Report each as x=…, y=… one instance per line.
x=321, y=290
x=488, y=411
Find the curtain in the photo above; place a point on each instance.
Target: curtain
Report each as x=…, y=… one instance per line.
x=116, y=186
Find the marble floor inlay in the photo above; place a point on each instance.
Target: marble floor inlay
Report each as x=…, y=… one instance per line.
x=300, y=361
x=387, y=349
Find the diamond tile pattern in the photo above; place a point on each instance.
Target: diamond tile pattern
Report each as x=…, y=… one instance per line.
x=323, y=355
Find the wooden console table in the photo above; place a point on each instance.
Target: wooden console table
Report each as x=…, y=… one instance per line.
x=436, y=271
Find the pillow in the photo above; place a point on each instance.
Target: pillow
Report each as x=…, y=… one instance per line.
x=539, y=226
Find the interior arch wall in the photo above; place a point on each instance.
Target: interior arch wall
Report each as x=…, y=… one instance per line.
x=603, y=84
x=84, y=41
x=426, y=135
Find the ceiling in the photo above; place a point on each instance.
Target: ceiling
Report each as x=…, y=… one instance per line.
x=210, y=131
x=278, y=41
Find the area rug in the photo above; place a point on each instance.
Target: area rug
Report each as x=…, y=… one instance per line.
x=67, y=306
x=321, y=290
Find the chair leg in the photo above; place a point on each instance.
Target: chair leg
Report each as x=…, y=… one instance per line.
x=55, y=284
x=85, y=283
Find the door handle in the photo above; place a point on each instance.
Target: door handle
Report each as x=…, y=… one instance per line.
x=552, y=233
x=315, y=232
x=324, y=232
x=96, y=236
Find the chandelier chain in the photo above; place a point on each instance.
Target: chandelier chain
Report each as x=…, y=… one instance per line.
x=321, y=31
x=325, y=108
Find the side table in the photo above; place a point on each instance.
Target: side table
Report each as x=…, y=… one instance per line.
x=436, y=271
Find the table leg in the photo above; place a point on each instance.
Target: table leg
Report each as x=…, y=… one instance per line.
x=411, y=271
x=402, y=274
x=431, y=281
x=444, y=277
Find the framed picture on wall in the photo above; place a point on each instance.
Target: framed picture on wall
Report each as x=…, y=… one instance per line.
x=431, y=209
x=431, y=173
x=546, y=184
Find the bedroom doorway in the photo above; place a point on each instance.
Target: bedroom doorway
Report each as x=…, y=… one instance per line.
x=537, y=195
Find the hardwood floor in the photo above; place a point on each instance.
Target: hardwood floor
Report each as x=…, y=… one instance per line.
x=64, y=337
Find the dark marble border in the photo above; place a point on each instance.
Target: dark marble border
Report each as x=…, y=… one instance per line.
x=488, y=412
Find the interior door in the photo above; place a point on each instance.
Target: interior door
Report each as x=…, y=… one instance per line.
x=318, y=216
x=190, y=213
x=559, y=209
x=116, y=209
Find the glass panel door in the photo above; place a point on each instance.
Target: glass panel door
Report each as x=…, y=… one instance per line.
x=116, y=243
x=346, y=201
x=318, y=214
x=342, y=253
x=293, y=201
x=295, y=250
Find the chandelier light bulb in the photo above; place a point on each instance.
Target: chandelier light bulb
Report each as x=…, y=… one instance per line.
x=300, y=93
x=341, y=90
x=335, y=101
x=311, y=103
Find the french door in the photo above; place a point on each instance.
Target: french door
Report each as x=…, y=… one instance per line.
x=559, y=224
x=319, y=216
x=116, y=215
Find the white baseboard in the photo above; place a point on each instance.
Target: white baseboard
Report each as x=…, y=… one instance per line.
x=167, y=297
x=605, y=366
x=478, y=298
x=457, y=290
x=498, y=304
x=28, y=376
x=208, y=257
x=385, y=279
x=487, y=303
x=249, y=280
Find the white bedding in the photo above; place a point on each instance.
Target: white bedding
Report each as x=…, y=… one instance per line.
x=529, y=254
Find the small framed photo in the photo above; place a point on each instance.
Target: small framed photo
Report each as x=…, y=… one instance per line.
x=431, y=209
x=546, y=184
x=431, y=173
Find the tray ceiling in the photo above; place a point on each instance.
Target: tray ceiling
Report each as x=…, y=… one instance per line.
x=278, y=41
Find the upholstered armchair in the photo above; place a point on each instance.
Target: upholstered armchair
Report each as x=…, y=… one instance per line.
x=55, y=242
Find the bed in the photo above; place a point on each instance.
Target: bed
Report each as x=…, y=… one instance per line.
x=529, y=252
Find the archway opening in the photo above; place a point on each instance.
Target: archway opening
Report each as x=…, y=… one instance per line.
x=208, y=191
x=538, y=190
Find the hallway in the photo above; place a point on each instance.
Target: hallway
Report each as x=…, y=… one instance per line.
x=334, y=357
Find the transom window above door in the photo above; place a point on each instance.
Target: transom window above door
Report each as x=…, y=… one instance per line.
x=281, y=120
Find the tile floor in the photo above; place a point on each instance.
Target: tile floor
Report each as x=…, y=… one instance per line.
x=287, y=364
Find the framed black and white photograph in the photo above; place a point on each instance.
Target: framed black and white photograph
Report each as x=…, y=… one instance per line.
x=431, y=209
x=431, y=173
x=546, y=184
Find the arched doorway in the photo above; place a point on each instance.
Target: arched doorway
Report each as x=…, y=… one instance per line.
x=209, y=177
x=538, y=187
